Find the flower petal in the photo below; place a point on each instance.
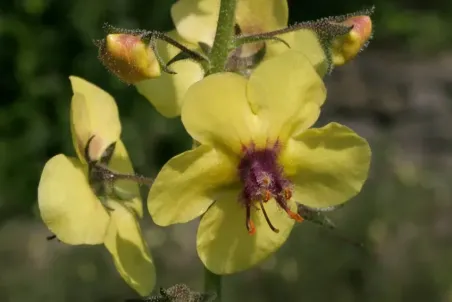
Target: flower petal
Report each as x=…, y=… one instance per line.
x=93, y=112
x=223, y=242
x=327, y=165
x=129, y=250
x=67, y=204
x=196, y=20
x=127, y=191
x=259, y=16
x=305, y=41
x=183, y=189
x=291, y=103
x=166, y=92
x=216, y=112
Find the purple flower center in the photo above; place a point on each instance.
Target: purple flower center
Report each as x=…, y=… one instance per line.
x=263, y=179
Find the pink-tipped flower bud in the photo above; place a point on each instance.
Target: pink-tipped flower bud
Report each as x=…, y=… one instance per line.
x=128, y=57
x=348, y=46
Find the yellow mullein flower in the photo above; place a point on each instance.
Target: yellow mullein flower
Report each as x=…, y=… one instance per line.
x=68, y=203
x=195, y=22
x=256, y=159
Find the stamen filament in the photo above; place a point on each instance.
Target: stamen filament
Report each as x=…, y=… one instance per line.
x=249, y=223
x=266, y=217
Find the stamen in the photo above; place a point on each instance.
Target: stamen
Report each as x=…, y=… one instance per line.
x=294, y=216
x=266, y=180
x=267, y=195
x=287, y=193
x=266, y=218
x=86, y=151
x=249, y=223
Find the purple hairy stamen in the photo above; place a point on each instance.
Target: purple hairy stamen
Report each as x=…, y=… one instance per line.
x=263, y=179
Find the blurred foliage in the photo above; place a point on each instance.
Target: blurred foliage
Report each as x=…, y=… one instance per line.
x=42, y=42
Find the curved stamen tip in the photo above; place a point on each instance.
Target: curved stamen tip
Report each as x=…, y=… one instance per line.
x=249, y=223
x=250, y=227
x=267, y=218
x=294, y=216
x=267, y=195
x=287, y=193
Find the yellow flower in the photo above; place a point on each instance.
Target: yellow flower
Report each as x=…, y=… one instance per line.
x=195, y=22
x=256, y=159
x=68, y=203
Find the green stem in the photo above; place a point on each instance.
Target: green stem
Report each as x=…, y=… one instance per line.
x=224, y=36
x=212, y=283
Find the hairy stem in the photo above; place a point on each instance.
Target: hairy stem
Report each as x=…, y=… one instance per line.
x=224, y=36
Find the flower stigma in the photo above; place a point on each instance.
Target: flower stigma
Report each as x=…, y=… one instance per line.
x=263, y=179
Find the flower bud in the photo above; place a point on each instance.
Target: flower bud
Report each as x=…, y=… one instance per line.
x=346, y=47
x=129, y=58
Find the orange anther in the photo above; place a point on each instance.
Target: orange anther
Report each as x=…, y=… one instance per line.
x=266, y=180
x=294, y=216
x=251, y=228
x=267, y=195
x=287, y=193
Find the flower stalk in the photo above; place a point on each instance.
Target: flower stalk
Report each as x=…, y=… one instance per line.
x=224, y=36
x=212, y=283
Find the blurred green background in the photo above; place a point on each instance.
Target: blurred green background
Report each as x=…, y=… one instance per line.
x=397, y=94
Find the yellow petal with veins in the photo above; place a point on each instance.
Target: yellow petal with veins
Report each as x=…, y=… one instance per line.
x=223, y=242
x=259, y=16
x=216, y=112
x=196, y=20
x=93, y=113
x=184, y=186
x=290, y=104
x=67, y=204
x=130, y=252
x=327, y=166
x=305, y=41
